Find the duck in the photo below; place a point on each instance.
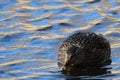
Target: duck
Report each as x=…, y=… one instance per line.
x=84, y=49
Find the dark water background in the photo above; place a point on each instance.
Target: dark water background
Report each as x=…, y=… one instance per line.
x=32, y=30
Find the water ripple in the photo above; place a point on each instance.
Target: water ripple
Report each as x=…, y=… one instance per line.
x=31, y=32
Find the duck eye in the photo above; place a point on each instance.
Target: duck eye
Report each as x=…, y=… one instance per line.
x=72, y=49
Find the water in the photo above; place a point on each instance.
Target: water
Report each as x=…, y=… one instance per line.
x=31, y=32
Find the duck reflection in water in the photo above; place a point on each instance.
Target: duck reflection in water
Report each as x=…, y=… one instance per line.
x=86, y=71
x=84, y=53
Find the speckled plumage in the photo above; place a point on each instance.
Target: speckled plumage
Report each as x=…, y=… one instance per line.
x=84, y=49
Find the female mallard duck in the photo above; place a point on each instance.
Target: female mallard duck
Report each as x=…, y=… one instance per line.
x=84, y=49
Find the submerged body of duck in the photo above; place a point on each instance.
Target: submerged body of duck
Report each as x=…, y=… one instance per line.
x=84, y=49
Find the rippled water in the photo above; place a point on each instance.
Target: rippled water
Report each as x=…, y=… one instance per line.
x=32, y=30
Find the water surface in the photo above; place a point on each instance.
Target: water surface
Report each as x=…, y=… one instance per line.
x=31, y=32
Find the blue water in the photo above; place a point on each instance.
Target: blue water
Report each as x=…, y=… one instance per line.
x=31, y=32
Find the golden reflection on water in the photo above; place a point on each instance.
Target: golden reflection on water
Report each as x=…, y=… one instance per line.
x=49, y=14
x=22, y=17
x=12, y=62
